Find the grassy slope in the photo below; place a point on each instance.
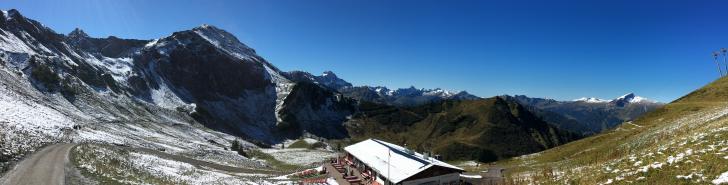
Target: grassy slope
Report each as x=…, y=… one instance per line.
x=110, y=166
x=684, y=138
x=275, y=163
x=484, y=130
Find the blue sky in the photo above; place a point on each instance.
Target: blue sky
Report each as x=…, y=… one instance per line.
x=554, y=49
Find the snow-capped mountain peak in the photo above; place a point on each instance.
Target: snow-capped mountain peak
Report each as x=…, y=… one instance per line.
x=329, y=79
x=415, y=92
x=622, y=100
x=629, y=97
x=12, y=13
x=4, y=14
x=384, y=91
x=632, y=98
x=329, y=73
x=641, y=99
x=591, y=100
x=439, y=92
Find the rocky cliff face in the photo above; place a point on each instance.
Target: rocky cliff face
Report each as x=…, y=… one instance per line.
x=204, y=74
x=315, y=110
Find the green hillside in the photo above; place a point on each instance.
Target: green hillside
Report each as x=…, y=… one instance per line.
x=484, y=130
x=683, y=142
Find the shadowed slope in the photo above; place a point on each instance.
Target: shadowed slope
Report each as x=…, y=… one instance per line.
x=484, y=130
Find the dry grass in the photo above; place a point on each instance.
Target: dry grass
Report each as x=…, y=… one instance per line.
x=644, y=151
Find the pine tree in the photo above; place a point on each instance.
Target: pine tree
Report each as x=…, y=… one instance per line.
x=235, y=145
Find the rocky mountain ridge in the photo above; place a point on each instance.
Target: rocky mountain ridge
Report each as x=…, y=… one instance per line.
x=589, y=115
x=378, y=94
x=204, y=72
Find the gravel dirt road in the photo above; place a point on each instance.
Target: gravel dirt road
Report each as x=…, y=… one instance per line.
x=43, y=167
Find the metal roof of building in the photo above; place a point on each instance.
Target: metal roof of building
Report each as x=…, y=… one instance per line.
x=402, y=162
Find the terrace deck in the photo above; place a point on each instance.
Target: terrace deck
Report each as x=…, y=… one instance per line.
x=341, y=178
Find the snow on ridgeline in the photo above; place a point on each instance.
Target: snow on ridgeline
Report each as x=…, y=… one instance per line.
x=224, y=41
x=412, y=91
x=592, y=100
x=632, y=98
x=628, y=98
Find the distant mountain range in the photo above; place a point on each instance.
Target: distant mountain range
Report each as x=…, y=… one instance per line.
x=683, y=142
x=588, y=115
x=585, y=116
x=399, y=97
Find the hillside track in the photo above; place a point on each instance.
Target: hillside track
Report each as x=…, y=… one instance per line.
x=45, y=167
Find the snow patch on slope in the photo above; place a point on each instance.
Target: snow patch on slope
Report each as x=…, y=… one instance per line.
x=11, y=43
x=164, y=97
x=723, y=178
x=23, y=114
x=120, y=68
